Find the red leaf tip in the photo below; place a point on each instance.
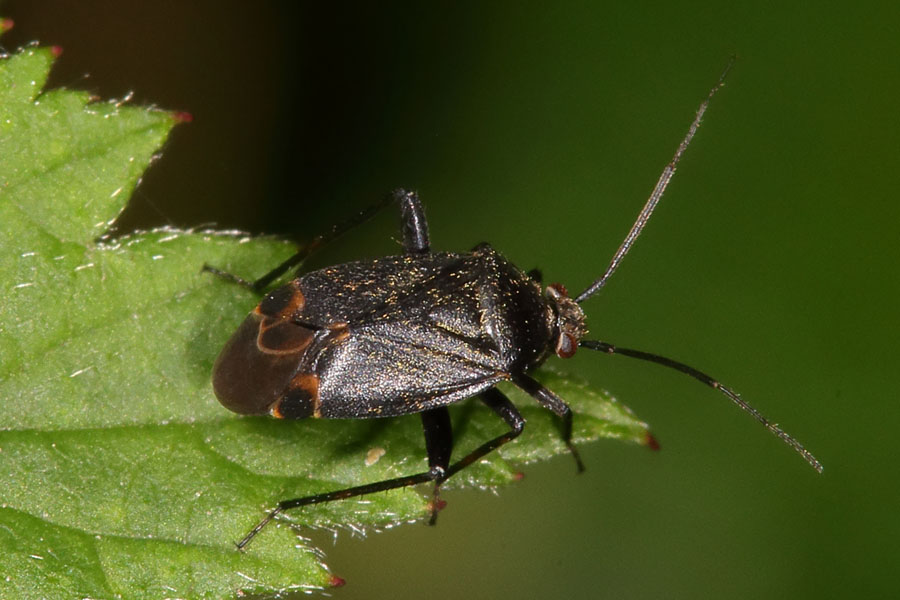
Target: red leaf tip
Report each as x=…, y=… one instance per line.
x=6, y=24
x=183, y=116
x=651, y=442
x=335, y=581
x=56, y=51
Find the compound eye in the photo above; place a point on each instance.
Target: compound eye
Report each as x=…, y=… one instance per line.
x=566, y=345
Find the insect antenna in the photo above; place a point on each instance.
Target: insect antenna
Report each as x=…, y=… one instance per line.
x=657, y=194
x=731, y=394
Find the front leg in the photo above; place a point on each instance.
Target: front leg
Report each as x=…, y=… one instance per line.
x=551, y=401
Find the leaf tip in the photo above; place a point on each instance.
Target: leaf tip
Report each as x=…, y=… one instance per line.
x=6, y=24
x=182, y=116
x=650, y=441
x=335, y=581
x=56, y=51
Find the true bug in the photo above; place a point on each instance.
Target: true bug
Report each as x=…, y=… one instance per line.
x=416, y=332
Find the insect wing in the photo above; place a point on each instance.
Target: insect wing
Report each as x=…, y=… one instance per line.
x=414, y=336
x=392, y=368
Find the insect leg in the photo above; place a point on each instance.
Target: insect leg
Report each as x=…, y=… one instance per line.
x=438, y=445
x=415, y=237
x=360, y=490
x=500, y=404
x=493, y=398
x=321, y=240
x=551, y=401
x=438, y=439
x=413, y=225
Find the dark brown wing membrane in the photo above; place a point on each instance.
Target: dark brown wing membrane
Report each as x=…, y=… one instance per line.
x=257, y=363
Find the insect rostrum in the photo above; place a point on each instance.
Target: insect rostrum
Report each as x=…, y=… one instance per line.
x=414, y=333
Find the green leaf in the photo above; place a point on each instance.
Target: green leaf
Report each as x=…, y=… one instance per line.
x=122, y=474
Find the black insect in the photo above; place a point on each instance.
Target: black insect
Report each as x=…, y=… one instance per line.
x=414, y=333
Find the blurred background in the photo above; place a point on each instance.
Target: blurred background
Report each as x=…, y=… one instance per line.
x=772, y=262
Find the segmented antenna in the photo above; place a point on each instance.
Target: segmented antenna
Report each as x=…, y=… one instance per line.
x=657, y=194
x=731, y=394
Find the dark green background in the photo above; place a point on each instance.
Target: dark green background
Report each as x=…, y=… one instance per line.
x=772, y=262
